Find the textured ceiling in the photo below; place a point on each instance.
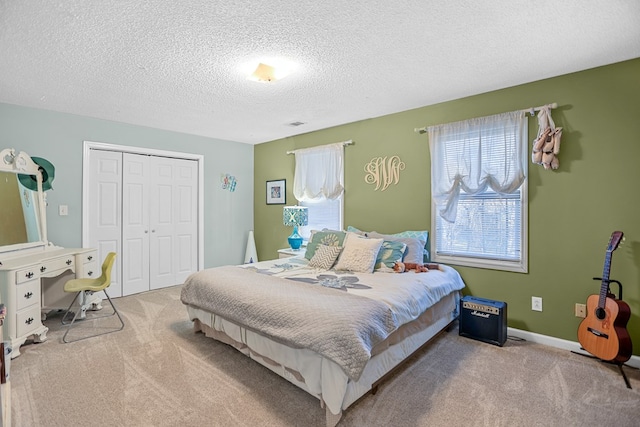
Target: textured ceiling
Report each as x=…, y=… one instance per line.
x=179, y=64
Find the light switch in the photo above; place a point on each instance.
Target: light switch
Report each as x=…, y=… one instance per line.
x=63, y=210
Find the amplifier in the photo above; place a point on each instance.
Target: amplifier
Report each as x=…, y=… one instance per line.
x=483, y=320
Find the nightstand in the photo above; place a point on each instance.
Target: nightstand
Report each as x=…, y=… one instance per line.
x=288, y=252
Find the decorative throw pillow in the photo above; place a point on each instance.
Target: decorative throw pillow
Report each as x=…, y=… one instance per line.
x=359, y=253
x=325, y=256
x=390, y=252
x=415, y=247
x=356, y=230
x=328, y=237
x=423, y=236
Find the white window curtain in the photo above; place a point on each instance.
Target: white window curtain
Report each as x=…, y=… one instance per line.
x=476, y=155
x=319, y=173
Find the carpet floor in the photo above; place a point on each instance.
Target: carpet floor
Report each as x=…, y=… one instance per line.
x=158, y=372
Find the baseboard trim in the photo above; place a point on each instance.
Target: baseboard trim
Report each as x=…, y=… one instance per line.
x=560, y=343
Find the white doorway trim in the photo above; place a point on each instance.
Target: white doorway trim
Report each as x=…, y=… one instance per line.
x=90, y=145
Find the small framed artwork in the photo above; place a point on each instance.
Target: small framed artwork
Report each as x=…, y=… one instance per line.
x=277, y=192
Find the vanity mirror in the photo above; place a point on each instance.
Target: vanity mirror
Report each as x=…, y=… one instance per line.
x=23, y=224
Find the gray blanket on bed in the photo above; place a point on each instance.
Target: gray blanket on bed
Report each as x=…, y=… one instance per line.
x=339, y=326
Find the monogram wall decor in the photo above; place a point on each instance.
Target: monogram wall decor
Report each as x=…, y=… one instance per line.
x=383, y=171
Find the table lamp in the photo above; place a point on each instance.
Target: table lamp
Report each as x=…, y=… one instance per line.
x=295, y=216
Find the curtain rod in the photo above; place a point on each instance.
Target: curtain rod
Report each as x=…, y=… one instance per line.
x=349, y=142
x=531, y=110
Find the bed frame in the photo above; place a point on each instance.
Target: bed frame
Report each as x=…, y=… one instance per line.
x=322, y=377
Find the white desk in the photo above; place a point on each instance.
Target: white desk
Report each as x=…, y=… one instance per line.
x=32, y=285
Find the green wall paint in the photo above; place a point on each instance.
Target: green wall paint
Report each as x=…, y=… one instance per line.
x=572, y=211
x=59, y=137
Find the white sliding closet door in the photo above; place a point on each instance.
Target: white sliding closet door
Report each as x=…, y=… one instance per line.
x=105, y=210
x=173, y=220
x=145, y=208
x=135, y=224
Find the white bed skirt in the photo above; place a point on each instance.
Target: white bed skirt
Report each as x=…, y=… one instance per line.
x=317, y=375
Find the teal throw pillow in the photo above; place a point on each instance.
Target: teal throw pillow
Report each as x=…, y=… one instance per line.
x=390, y=252
x=329, y=238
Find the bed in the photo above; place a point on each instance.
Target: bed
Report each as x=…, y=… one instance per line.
x=335, y=332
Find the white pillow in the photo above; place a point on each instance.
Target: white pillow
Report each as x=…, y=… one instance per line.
x=359, y=253
x=325, y=256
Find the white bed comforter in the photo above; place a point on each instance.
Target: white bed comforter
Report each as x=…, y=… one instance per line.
x=339, y=315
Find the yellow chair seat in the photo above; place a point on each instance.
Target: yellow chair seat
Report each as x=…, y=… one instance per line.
x=89, y=286
x=77, y=285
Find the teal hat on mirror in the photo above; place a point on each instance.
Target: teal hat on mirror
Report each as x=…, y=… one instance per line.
x=47, y=170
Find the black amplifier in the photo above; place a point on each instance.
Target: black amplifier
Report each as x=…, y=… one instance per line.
x=483, y=319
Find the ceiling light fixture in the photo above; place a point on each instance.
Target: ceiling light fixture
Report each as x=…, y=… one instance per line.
x=264, y=73
x=270, y=73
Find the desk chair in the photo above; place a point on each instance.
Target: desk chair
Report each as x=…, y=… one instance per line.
x=88, y=287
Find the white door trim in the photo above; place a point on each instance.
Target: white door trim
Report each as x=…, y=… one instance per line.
x=91, y=145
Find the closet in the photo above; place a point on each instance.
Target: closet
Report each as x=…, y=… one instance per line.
x=145, y=208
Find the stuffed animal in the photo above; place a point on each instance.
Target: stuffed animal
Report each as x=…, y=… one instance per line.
x=401, y=267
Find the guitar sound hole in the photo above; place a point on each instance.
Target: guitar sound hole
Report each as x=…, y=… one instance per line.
x=600, y=313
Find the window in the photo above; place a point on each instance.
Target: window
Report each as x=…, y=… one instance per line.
x=318, y=185
x=478, y=173
x=323, y=214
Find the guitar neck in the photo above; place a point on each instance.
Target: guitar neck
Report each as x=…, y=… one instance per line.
x=604, y=287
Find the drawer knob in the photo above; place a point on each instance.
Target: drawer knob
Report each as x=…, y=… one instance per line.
x=28, y=295
x=90, y=273
x=29, y=321
x=29, y=275
x=90, y=257
x=43, y=269
x=69, y=262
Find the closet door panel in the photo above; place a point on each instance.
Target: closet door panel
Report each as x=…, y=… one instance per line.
x=162, y=218
x=186, y=224
x=135, y=224
x=105, y=210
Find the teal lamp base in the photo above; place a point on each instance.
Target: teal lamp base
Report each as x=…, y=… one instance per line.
x=295, y=240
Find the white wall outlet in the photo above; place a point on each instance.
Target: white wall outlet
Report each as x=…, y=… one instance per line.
x=63, y=210
x=536, y=303
x=581, y=310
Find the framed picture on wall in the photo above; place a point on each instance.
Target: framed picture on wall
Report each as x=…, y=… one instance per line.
x=277, y=192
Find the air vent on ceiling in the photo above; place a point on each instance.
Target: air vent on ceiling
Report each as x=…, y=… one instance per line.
x=294, y=124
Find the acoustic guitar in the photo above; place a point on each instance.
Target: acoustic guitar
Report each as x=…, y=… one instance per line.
x=603, y=332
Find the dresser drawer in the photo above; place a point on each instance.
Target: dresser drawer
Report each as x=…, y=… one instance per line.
x=27, y=274
x=57, y=264
x=27, y=320
x=90, y=257
x=27, y=293
x=92, y=270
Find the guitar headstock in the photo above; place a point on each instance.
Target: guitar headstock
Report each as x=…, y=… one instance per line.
x=614, y=240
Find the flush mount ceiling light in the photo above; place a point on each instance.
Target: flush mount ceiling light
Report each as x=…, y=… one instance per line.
x=270, y=73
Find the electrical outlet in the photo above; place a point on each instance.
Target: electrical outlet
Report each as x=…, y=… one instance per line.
x=581, y=310
x=63, y=210
x=536, y=303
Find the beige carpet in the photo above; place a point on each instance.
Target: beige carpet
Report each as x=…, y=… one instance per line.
x=157, y=372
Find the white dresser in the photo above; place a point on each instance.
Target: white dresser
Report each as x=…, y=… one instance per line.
x=32, y=285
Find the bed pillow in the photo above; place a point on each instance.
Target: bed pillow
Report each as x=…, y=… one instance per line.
x=356, y=230
x=359, y=254
x=390, y=253
x=415, y=247
x=325, y=257
x=325, y=237
x=423, y=236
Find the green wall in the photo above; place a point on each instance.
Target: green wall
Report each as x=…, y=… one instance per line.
x=572, y=211
x=59, y=137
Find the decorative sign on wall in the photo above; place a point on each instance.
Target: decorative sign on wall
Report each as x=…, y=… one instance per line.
x=228, y=182
x=383, y=171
